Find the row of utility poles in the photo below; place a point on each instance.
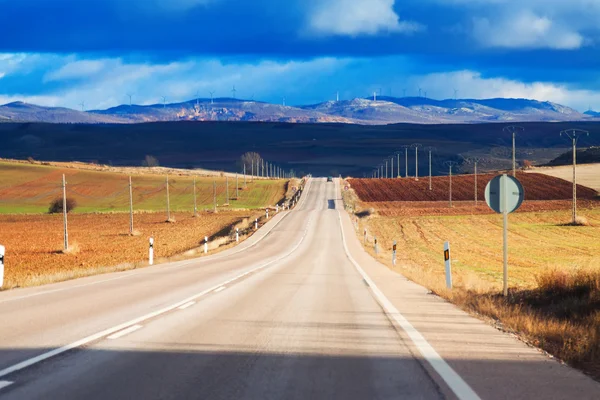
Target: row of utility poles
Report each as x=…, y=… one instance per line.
x=260, y=168
x=271, y=171
x=381, y=171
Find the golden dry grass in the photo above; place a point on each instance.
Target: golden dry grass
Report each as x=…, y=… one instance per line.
x=554, y=273
x=99, y=242
x=587, y=174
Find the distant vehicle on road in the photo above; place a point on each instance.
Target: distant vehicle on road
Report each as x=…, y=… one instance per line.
x=329, y=179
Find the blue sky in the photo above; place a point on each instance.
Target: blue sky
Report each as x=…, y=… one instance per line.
x=65, y=52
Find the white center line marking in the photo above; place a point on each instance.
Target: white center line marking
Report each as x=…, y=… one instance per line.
x=220, y=289
x=97, y=336
x=4, y=384
x=124, y=332
x=187, y=305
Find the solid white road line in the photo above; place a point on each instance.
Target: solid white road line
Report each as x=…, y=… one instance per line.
x=97, y=336
x=187, y=305
x=220, y=289
x=4, y=384
x=460, y=388
x=124, y=332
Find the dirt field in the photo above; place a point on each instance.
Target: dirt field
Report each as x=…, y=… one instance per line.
x=587, y=174
x=536, y=186
x=29, y=188
x=34, y=242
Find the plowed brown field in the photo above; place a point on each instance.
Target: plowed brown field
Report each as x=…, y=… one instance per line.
x=34, y=242
x=537, y=187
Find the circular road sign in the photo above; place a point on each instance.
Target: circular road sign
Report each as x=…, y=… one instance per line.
x=504, y=192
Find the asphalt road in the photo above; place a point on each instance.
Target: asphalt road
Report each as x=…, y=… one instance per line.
x=298, y=311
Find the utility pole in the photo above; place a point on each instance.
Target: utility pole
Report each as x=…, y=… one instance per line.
x=430, y=150
x=66, y=231
x=392, y=167
x=475, y=161
x=237, y=186
x=168, y=201
x=214, y=195
x=574, y=135
x=130, y=207
x=195, y=203
x=252, y=171
x=245, y=183
x=514, y=130
x=226, y=189
x=386, y=169
x=398, y=156
x=406, y=146
x=416, y=146
x=450, y=164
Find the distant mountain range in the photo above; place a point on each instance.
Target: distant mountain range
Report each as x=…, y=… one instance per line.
x=385, y=110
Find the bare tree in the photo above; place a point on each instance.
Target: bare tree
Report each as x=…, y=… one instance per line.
x=150, y=161
x=250, y=159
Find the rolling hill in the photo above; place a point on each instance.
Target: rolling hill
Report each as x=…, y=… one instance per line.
x=385, y=110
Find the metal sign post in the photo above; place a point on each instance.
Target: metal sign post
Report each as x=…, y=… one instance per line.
x=448, y=263
x=504, y=194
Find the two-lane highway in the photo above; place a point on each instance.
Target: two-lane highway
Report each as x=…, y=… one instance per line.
x=290, y=314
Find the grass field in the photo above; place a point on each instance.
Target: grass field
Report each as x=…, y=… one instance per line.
x=554, y=268
x=587, y=174
x=101, y=242
x=26, y=188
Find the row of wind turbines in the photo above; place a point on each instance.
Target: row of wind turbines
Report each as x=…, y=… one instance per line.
x=422, y=93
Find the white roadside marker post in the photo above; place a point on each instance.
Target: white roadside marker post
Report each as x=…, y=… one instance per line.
x=394, y=254
x=205, y=244
x=2, y=250
x=256, y=224
x=151, y=252
x=448, y=262
x=237, y=235
x=267, y=213
x=276, y=208
x=376, y=249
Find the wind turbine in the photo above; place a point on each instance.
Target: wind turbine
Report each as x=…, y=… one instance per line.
x=211, y=97
x=420, y=91
x=130, y=96
x=284, y=101
x=164, y=99
x=197, y=96
x=455, y=94
x=82, y=104
x=337, y=96
x=375, y=96
x=233, y=91
x=425, y=93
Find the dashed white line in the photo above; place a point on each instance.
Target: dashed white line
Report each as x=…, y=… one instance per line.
x=220, y=289
x=187, y=305
x=124, y=332
x=92, y=338
x=4, y=384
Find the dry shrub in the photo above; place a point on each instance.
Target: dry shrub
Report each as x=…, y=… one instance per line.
x=74, y=248
x=581, y=221
x=56, y=205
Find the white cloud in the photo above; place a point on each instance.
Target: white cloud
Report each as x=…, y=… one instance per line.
x=554, y=24
x=525, y=30
x=472, y=84
x=107, y=81
x=357, y=17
